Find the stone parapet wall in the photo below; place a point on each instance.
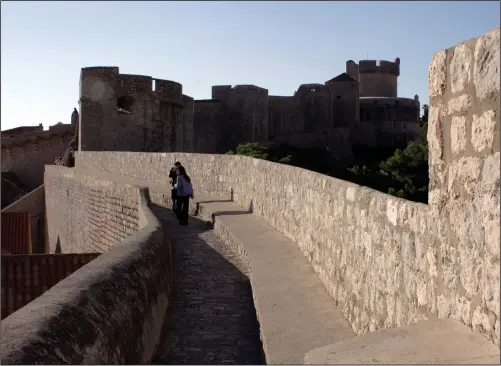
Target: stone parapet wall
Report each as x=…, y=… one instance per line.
x=464, y=145
x=375, y=254
x=86, y=212
x=104, y=313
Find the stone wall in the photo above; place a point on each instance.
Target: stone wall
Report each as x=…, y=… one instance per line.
x=34, y=204
x=284, y=116
x=27, y=155
x=209, y=127
x=463, y=136
x=376, y=255
x=119, y=312
x=87, y=213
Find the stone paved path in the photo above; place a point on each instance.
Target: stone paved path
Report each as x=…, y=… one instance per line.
x=212, y=319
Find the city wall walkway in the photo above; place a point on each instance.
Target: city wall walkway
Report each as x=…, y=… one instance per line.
x=299, y=321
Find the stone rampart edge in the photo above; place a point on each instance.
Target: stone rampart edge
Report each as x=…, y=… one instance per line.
x=104, y=313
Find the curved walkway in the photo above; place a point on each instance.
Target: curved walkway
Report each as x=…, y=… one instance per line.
x=211, y=319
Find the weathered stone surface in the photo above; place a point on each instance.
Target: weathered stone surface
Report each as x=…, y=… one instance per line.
x=437, y=74
x=465, y=200
x=490, y=171
x=460, y=105
x=482, y=130
x=460, y=68
x=458, y=134
x=492, y=237
x=490, y=278
x=435, y=134
x=464, y=174
x=486, y=67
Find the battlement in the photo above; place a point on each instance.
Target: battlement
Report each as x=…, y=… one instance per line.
x=134, y=84
x=389, y=101
x=380, y=66
x=99, y=70
x=167, y=88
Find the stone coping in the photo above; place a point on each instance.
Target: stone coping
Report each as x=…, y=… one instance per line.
x=108, y=312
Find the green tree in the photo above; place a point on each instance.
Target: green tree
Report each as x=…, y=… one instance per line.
x=423, y=122
x=253, y=149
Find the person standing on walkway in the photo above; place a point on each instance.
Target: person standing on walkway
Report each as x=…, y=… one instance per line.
x=172, y=180
x=184, y=192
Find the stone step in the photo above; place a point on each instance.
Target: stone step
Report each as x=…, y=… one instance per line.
x=427, y=342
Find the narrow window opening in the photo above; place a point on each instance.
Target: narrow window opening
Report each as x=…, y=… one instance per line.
x=125, y=103
x=153, y=85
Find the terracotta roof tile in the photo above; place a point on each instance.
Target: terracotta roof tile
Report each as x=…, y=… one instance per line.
x=16, y=235
x=25, y=277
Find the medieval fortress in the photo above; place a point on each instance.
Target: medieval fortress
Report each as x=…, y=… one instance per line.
x=121, y=112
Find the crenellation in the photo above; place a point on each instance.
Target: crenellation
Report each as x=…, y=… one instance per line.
x=133, y=84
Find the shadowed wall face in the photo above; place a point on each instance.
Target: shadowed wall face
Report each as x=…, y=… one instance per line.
x=121, y=112
x=87, y=214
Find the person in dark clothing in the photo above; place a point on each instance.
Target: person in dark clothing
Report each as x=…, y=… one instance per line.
x=184, y=192
x=172, y=180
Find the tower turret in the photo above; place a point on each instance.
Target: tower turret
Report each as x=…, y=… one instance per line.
x=378, y=78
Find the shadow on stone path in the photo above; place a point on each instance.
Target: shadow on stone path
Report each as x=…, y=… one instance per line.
x=211, y=319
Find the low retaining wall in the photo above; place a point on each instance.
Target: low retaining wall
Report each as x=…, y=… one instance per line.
x=110, y=311
x=26, y=277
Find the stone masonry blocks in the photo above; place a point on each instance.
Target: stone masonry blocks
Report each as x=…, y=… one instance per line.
x=463, y=138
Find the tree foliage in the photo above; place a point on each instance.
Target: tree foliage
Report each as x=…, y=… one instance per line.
x=253, y=149
x=401, y=173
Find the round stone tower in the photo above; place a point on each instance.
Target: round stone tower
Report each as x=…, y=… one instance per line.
x=378, y=78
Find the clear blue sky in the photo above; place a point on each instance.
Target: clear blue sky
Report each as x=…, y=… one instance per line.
x=275, y=45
